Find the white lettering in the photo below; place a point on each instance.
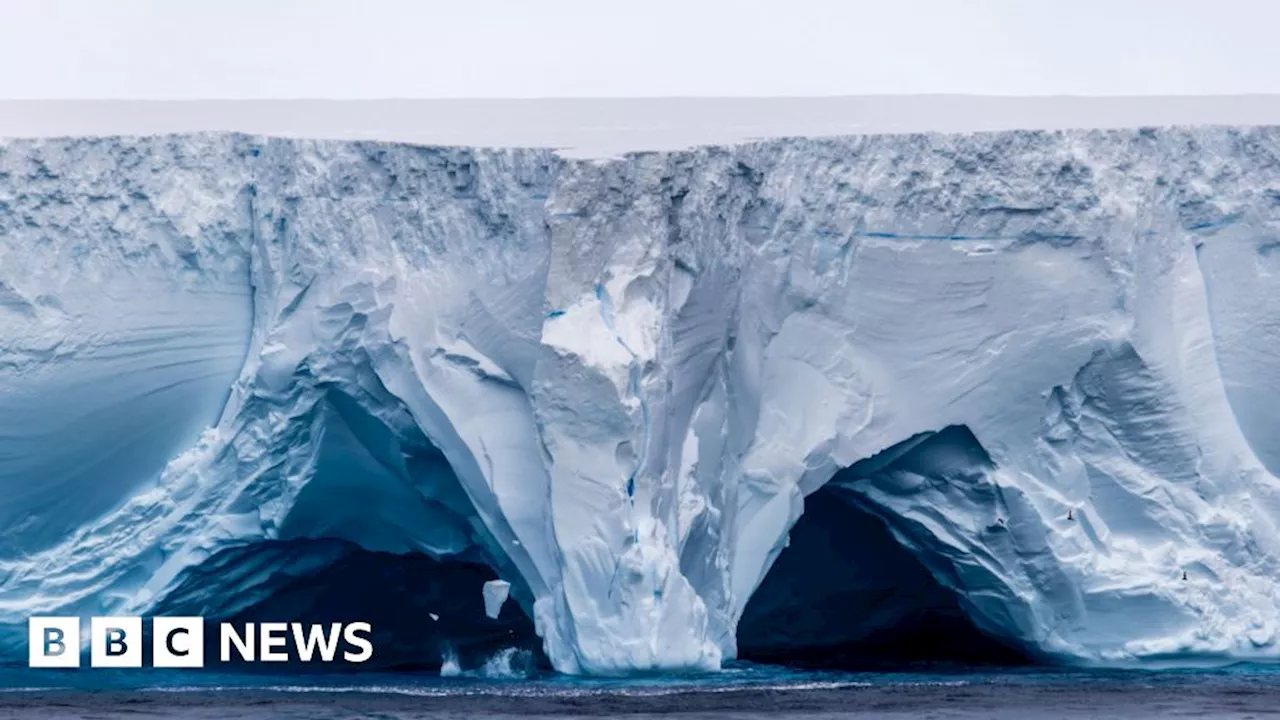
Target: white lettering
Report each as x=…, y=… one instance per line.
x=351, y=635
x=327, y=642
x=273, y=636
x=230, y=637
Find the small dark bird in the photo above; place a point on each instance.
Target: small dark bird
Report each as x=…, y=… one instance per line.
x=1184, y=574
x=1069, y=517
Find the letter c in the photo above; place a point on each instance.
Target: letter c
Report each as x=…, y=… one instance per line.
x=168, y=642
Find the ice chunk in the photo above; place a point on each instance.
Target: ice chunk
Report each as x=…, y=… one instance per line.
x=495, y=594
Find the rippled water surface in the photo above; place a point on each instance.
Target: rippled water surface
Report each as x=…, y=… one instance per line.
x=746, y=691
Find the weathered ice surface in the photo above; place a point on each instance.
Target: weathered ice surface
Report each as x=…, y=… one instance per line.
x=1046, y=361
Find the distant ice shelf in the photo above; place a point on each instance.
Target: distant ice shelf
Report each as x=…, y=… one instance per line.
x=1043, y=362
x=587, y=128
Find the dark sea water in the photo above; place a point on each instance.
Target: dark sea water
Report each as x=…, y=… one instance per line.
x=746, y=691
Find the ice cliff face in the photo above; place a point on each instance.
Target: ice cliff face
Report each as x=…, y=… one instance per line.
x=1045, y=360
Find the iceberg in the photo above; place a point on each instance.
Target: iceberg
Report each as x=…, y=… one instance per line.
x=1041, y=362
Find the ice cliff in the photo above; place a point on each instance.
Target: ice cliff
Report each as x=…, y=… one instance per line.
x=1044, y=361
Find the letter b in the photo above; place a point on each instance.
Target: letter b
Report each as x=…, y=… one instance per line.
x=53, y=642
x=115, y=642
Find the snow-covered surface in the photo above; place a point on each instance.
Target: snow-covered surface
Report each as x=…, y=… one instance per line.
x=1047, y=357
x=607, y=127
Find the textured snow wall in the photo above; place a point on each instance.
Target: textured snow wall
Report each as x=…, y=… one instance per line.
x=1045, y=360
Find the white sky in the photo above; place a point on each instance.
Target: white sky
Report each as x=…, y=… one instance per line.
x=633, y=48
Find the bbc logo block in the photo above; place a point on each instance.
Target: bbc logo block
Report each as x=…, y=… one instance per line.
x=115, y=642
x=179, y=642
x=54, y=642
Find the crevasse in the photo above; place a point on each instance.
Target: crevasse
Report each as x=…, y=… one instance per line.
x=1045, y=361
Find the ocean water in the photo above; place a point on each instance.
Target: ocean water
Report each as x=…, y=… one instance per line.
x=743, y=691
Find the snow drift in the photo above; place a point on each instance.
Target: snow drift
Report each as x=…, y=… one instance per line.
x=1043, y=361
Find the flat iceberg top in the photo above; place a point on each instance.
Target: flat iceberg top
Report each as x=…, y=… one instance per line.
x=602, y=127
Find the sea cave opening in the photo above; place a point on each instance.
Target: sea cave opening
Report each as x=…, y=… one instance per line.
x=382, y=532
x=846, y=594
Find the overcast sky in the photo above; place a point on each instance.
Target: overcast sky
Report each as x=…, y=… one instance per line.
x=633, y=48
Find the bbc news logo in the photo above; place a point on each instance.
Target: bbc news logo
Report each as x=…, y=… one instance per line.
x=178, y=642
